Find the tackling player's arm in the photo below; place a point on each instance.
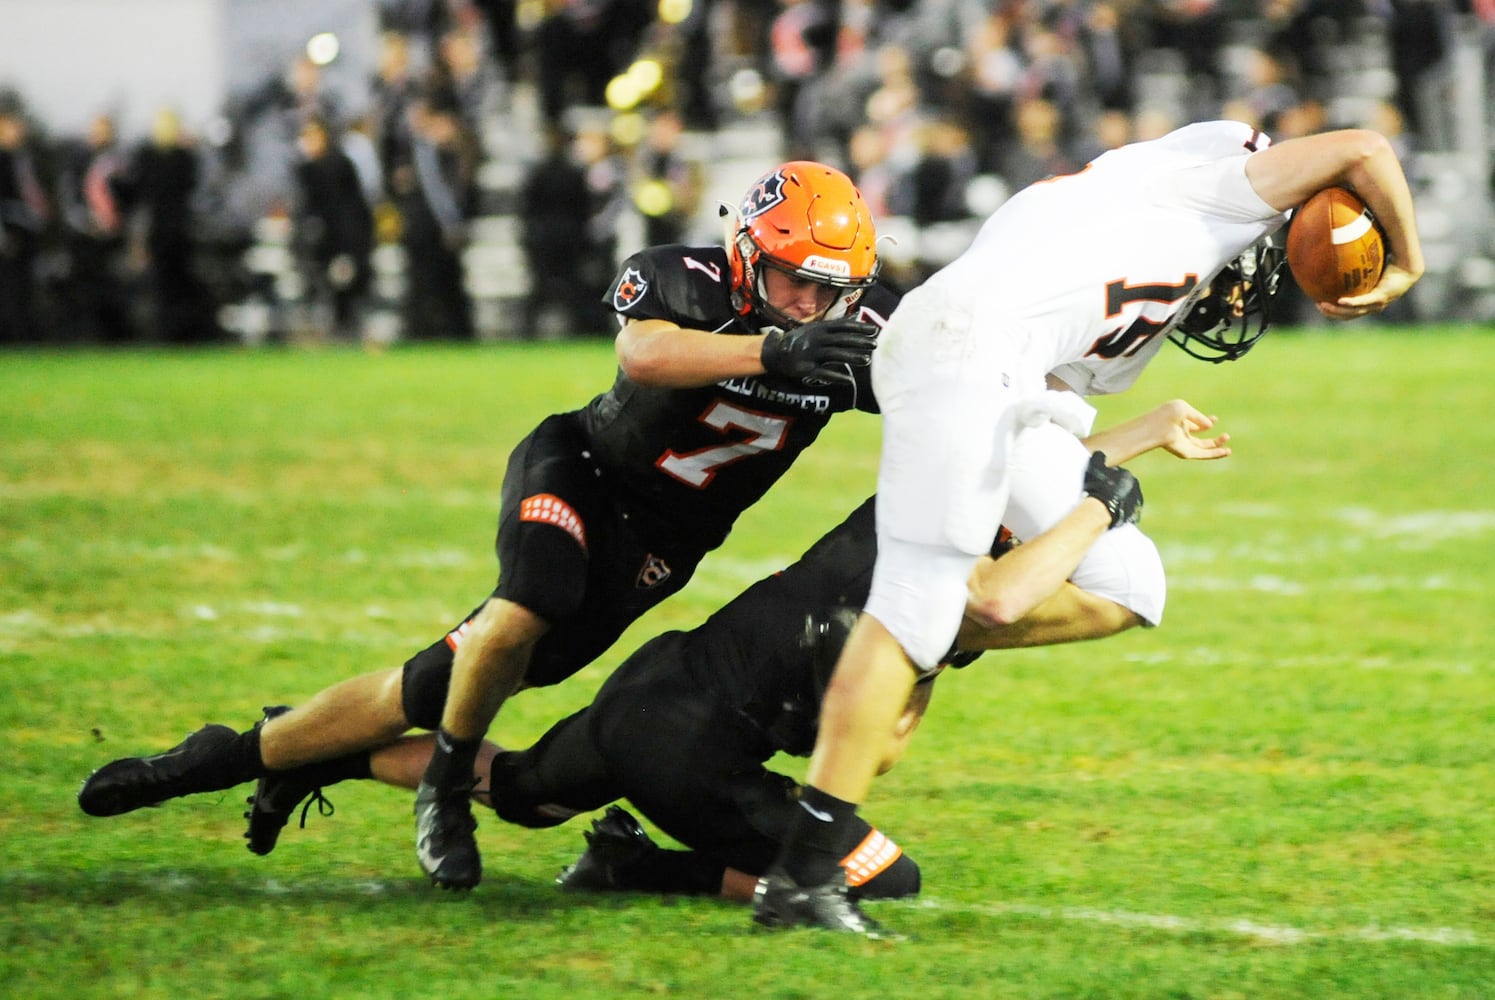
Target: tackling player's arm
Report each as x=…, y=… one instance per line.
x=1171, y=427
x=657, y=352
x=1013, y=602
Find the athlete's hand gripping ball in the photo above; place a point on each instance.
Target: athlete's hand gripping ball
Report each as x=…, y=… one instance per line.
x=1117, y=488
x=824, y=351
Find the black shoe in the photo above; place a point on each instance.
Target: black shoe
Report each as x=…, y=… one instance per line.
x=276, y=797
x=444, y=842
x=778, y=901
x=203, y=762
x=615, y=843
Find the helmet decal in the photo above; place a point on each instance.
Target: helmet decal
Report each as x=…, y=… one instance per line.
x=828, y=266
x=768, y=192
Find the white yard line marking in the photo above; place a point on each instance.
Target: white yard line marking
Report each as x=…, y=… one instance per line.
x=1280, y=934
x=1452, y=937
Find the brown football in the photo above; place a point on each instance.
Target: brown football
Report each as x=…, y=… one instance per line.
x=1334, y=246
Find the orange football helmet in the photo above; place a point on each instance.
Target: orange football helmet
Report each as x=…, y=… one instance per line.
x=809, y=221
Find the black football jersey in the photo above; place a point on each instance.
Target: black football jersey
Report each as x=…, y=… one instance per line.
x=755, y=652
x=686, y=462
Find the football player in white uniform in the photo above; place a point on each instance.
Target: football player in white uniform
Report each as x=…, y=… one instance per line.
x=1074, y=283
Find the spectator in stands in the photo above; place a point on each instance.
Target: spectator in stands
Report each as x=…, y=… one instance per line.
x=667, y=184
x=607, y=197
x=93, y=199
x=1108, y=130
x=1109, y=55
x=391, y=93
x=1195, y=29
x=893, y=106
x=24, y=213
x=461, y=68
x=504, y=42
x=1268, y=92
x=553, y=210
x=1418, y=35
x=422, y=21
x=334, y=227
x=165, y=174
x=581, y=45
x=802, y=37
x=436, y=192
x=996, y=73
x=874, y=175
x=1040, y=151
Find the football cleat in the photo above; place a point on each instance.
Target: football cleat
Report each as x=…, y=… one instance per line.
x=203, y=762
x=276, y=796
x=779, y=901
x=444, y=842
x=615, y=843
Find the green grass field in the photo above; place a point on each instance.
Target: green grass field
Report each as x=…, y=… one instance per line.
x=1284, y=792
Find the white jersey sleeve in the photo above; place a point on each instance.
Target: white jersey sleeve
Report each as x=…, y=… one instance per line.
x=1096, y=266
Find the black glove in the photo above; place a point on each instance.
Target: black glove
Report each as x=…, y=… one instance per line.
x=1117, y=488
x=821, y=350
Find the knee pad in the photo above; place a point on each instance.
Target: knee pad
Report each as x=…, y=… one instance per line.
x=544, y=569
x=424, y=683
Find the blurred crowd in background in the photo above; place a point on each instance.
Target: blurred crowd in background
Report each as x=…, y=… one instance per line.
x=509, y=152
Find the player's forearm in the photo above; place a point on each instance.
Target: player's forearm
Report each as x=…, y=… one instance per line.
x=661, y=354
x=1127, y=440
x=1138, y=435
x=1003, y=591
x=1288, y=173
x=403, y=763
x=1068, y=615
x=1379, y=181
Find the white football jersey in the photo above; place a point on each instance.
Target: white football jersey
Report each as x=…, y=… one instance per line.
x=1101, y=263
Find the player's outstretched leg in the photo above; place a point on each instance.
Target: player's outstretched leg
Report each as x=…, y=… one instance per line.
x=278, y=793
x=779, y=901
x=206, y=761
x=615, y=844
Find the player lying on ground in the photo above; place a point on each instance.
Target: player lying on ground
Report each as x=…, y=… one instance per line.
x=726, y=696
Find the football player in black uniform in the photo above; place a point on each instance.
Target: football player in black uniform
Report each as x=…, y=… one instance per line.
x=747, y=684
x=684, y=727
x=726, y=696
x=731, y=361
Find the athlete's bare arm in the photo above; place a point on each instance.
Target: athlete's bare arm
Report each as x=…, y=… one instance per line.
x=656, y=352
x=1288, y=173
x=1171, y=427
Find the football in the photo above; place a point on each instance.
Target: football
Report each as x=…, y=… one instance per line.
x=1334, y=247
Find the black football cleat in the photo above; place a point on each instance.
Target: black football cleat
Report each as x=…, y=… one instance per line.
x=779, y=901
x=444, y=842
x=615, y=843
x=276, y=796
x=203, y=762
